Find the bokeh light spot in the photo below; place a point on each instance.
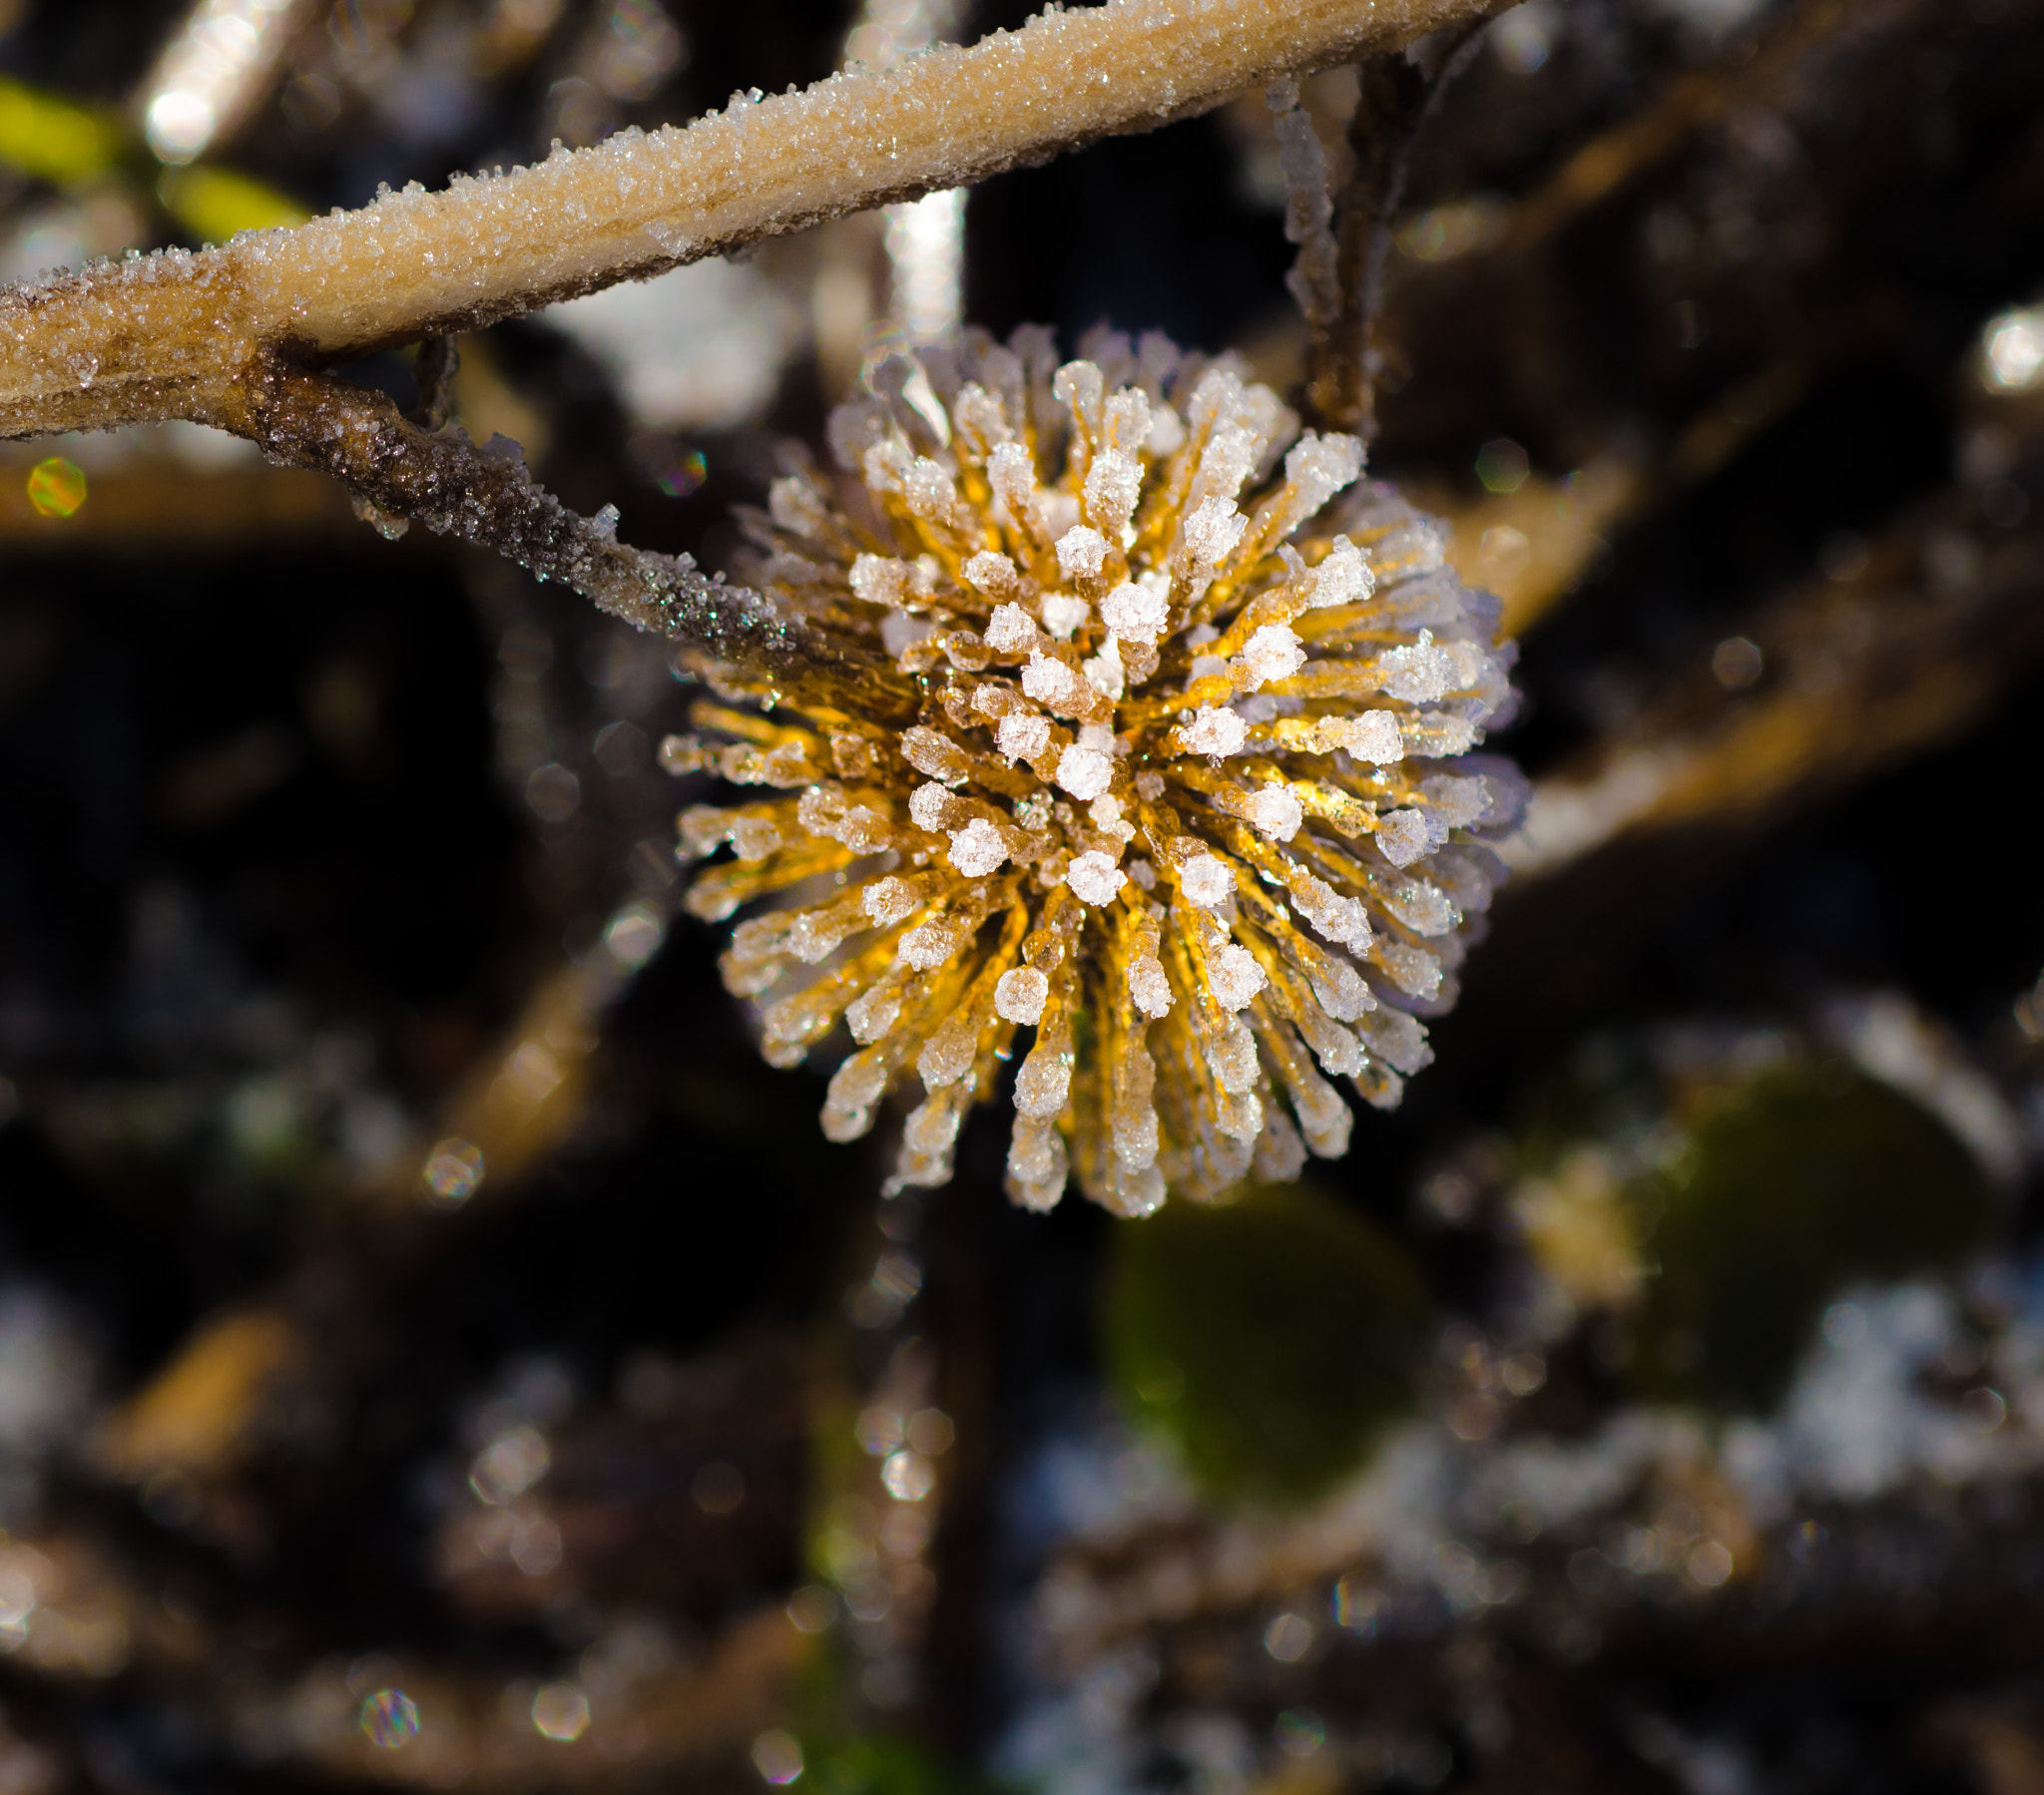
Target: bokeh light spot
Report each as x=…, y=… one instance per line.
x=56, y=486
x=389, y=1718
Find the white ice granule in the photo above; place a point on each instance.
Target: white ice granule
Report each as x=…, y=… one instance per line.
x=935, y=756
x=1095, y=878
x=1010, y=630
x=1019, y=996
x=1143, y=873
x=992, y=573
x=1419, y=673
x=1403, y=837
x=1149, y=786
x=1050, y=682
x=872, y=1016
x=1149, y=987
x=1272, y=652
x=930, y=944
x=1136, y=612
x=1082, y=552
x=1043, y=1083
x=1277, y=812
x=1337, y=918
x=1321, y=466
x=1023, y=735
x=1342, y=578
x=1112, y=484
x=930, y=807
x=888, y=900
x=977, y=849
x=1085, y=772
x=1064, y=614
x=1455, y=802
x=1205, y=881
x=946, y=1056
x=1235, y=976
x=1373, y=736
x=879, y=581
x=1214, y=528
x=1104, y=670
x=1216, y=732
x=754, y=837
x=1012, y=475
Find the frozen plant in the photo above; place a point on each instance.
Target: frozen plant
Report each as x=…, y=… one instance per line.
x=1139, y=730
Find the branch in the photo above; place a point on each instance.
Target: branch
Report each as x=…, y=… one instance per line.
x=156, y=337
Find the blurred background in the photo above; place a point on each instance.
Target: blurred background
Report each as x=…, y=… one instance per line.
x=436, y=1352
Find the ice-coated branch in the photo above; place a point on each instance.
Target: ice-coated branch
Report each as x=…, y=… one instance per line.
x=398, y=471
x=146, y=338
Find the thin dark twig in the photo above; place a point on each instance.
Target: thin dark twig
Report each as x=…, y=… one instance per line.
x=1395, y=103
x=438, y=360
x=398, y=472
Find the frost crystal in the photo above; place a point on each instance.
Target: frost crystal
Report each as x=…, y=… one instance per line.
x=1159, y=766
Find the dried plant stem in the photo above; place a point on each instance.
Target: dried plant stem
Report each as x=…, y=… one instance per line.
x=1394, y=101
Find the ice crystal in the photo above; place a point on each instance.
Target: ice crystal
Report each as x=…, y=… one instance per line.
x=1150, y=741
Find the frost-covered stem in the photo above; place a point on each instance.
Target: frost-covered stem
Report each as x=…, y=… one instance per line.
x=399, y=472
x=130, y=342
x=1395, y=100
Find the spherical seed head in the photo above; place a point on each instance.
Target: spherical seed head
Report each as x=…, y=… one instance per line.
x=1148, y=769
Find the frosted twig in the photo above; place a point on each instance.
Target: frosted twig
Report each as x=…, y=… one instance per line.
x=398, y=472
x=1394, y=101
x=138, y=340
x=1315, y=277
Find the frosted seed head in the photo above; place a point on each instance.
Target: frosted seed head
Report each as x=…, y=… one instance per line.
x=1085, y=772
x=1082, y=552
x=1272, y=652
x=1136, y=613
x=977, y=849
x=1206, y=881
x=887, y=900
x=1231, y=1054
x=1011, y=630
x=1277, y=812
x=1064, y=613
x=1023, y=735
x=1149, y=987
x=1095, y=878
x=754, y=837
x=1149, y=786
x=1373, y=736
x=1019, y=996
x=1235, y=976
x=1217, y=731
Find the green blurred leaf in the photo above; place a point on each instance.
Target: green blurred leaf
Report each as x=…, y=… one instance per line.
x=1271, y=1339
x=214, y=203
x=1795, y=1185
